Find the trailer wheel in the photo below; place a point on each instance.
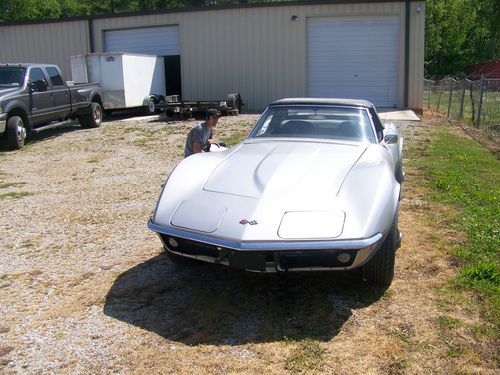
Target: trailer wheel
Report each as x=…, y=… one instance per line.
x=92, y=119
x=161, y=104
x=16, y=132
x=150, y=109
x=234, y=101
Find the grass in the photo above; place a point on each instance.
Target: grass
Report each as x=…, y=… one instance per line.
x=15, y=195
x=467, y=176
x=6, y=185
x=305, y=357
x=448, y=322
x=236, y=135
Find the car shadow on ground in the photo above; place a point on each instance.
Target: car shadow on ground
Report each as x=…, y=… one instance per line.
x=45, y=135
x=210, y=304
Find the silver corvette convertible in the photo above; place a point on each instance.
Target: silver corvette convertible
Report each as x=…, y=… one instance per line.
x=315, y=186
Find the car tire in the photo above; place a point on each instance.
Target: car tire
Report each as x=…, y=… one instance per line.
x=16, y=132
x=380, y=269
x=92, y=119
x=399, y=173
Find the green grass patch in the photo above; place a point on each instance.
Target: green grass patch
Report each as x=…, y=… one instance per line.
x=6, y=185
x=306, y=356
x=445, y=321
x=465, y=175
x=15, y=195
x=234, y=139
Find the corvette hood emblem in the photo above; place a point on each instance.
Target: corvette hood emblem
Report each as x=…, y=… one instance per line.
x=251, y=222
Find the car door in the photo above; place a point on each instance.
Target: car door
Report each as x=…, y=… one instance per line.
x=60, y=94
x=41, y=99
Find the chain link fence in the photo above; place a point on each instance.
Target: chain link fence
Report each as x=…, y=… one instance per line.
x=476, y=102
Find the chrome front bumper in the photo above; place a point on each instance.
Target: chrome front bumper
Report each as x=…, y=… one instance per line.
x=222, y=248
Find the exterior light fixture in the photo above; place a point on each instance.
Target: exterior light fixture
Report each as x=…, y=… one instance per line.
x=294, y=18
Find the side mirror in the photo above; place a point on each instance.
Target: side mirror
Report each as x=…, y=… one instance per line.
x=38, y=86
x=391, y=139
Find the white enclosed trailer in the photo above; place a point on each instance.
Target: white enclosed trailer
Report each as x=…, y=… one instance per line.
x=127, y=80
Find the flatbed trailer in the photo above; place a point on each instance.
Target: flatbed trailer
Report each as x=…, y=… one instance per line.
x=185, y=109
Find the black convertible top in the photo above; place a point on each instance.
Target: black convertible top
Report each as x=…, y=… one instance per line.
x=323, y=101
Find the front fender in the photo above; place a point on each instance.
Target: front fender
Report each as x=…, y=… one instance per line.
x=185, y=182
x=371, y=194
x=17, y=105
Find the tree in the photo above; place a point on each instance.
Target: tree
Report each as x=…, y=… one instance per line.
x=460, y=32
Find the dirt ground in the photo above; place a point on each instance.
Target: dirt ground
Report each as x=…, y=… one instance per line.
x=85, y=287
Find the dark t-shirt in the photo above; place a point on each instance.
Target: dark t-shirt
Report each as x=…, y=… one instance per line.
x=200, y=133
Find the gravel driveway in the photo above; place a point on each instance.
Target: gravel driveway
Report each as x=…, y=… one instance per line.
x=85, y=287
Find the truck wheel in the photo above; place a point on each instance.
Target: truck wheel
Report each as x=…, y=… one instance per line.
x=380, y=269
x=94, y=118
x=16, y=132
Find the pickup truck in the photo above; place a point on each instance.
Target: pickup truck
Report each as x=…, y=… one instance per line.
x=34, y=97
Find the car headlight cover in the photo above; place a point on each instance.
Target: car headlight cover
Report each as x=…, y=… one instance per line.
x=311, y=224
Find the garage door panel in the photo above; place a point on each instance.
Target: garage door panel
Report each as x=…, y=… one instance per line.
x=160, y=41
x=355, y=57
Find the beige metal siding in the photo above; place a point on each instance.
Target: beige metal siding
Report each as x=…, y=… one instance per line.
x=417, y=55
x=258, y=52
x=51, y=43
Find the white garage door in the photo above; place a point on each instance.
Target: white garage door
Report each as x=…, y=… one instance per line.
x=354, y=57
x=160, y=41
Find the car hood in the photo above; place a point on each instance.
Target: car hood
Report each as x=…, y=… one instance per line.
x=282, y=189
x=260, y=169
x=7, y=92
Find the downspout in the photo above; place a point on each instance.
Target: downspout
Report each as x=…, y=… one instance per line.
x=407, y=53
x=91, y=35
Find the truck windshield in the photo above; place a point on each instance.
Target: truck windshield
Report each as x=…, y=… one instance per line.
x=11, y=76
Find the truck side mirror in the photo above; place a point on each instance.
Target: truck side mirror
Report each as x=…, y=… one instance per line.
x=38, y=86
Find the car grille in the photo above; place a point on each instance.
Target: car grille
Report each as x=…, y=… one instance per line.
x=285, y=260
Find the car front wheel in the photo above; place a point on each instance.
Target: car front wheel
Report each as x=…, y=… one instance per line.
x=380, y=269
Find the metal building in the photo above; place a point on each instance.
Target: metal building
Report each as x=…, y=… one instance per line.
x=339, y=48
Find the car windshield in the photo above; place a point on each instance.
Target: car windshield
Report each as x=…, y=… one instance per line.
x=324, y=122
x=11, y=76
